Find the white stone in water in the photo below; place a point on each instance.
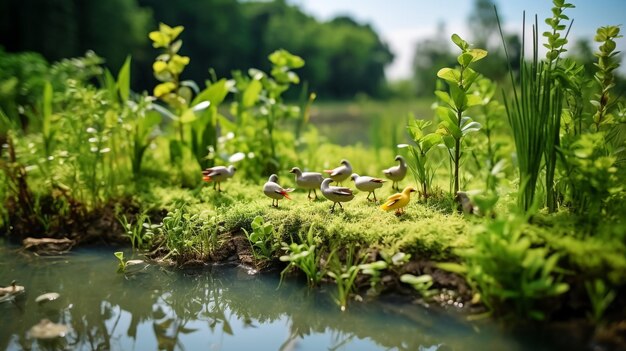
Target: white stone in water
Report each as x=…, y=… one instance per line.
x=46, y=329
x=47, y=297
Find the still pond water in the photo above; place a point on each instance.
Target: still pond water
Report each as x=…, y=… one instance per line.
x=213, y=308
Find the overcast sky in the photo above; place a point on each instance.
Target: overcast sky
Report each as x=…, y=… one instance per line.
x=402, y=23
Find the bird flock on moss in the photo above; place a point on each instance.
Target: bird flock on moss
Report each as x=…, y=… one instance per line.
x=313, y=181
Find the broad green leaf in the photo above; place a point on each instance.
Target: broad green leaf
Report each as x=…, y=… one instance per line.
x=110, y=83
x=477, y=54
x=188, y=116
x=469, y=76
x=459, y=97
x=251, y=94
x=450, y=75
x=445, y=97
x=473, y=100
x=453, y=129
x=215, y=93
x=429, y=141
x=465, y=59
x=446, y=114
x=415, y=132
x=123, y=80
x=462, y=44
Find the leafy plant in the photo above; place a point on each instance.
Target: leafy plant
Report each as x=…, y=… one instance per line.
x=492, y=115
x=141, y=232
x=259, y=106
x=123, y=264
x=601, y=297
x=607, y=63
x=374, y=270
x=178, y=95
x=344, y=274
x=188, y=236
x=422, y=284
x=137, y=117
x=422, y=166
x=505, y=268
x=391, y=262
x=535, y=110
x=262, y=239
x=594, y=177
x=306, y=256
x=455, y=125
x=204, y=129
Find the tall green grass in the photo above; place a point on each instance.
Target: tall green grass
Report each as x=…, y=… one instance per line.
x=534, y=114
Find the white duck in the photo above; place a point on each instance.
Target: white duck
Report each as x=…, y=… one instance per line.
x=340, y=173
x=218, y=174
x=396, y=173
x=369, y=184
x=274, y=191
x=308, y=180
x=336, y=194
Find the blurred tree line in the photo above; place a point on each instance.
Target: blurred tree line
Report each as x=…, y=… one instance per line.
x=343, y=57
x=431, y=54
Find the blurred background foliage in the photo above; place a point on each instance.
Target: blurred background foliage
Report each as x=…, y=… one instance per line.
x=345, y=58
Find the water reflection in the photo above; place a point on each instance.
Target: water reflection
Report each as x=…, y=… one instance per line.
x=218, y=308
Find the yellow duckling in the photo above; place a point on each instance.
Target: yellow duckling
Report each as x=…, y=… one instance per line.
x=398, y=201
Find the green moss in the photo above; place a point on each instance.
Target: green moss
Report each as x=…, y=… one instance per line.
x=421, y=231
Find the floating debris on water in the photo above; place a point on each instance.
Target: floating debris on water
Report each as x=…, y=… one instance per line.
x=9, y=292
x=47, y=297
